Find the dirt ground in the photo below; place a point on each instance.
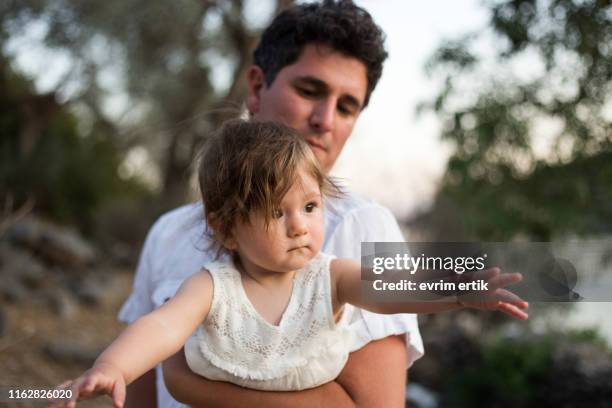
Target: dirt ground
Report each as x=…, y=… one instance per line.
x=24, y=359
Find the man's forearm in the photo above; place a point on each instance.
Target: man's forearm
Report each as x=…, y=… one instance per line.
x=141, y=393
x=196, y=391
x=375, y=375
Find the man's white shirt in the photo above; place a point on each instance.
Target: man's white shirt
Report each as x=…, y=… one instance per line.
x=177, y=246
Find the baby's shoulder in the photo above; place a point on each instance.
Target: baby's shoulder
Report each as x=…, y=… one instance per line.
x=200, y=281
x=339, y=266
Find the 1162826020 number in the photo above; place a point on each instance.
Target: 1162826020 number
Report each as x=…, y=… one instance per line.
x=9, y=394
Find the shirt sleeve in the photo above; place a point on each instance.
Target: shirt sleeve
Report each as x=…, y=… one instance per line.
x=375, y=223
x=140, y=301
x=371, y=224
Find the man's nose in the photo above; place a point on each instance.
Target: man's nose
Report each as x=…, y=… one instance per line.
x=323, y=115
x=296, y=226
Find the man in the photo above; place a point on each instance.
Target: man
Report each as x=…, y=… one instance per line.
x=314, y=70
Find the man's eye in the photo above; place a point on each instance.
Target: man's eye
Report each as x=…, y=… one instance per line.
x=306, y=91
x=345, y=111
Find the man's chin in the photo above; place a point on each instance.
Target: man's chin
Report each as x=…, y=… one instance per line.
x=321, y=156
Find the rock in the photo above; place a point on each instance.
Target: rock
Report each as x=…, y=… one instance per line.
x=12, y=290
x=62, y=303
x=55, y=244
x=70, y=352
x=3, y=322
x=91, y=288
x=123, y=255
x=90, y=295
x=22, y=266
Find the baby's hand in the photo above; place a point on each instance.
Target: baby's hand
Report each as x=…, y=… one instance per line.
x=102, y=378
x=495, y=297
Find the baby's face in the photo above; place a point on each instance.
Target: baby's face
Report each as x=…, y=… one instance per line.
x=293, y=236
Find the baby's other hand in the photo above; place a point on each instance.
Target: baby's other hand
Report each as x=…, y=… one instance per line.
x=102, y=378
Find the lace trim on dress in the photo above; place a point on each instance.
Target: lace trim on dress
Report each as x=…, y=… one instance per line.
x=306, y=331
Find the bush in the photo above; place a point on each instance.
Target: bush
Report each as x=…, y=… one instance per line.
x=552, y=370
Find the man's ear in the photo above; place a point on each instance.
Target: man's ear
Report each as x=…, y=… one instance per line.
x=256, y=80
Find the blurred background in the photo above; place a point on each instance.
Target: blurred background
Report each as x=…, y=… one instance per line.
x=492, y=122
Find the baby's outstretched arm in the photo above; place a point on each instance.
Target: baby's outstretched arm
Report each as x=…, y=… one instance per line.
x=346, y=281
x=145, y=343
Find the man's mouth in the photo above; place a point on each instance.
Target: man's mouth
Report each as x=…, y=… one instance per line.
x=315, y=144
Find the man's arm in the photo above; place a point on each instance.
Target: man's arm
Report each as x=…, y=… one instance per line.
x=196, y=391
x=373, y=375
x=141, y=393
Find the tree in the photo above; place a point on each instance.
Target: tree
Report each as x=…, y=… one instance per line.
x=43, y=159
x=161, y=54
x=533, y=150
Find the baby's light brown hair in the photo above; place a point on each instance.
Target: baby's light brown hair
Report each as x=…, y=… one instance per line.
x=248, y=167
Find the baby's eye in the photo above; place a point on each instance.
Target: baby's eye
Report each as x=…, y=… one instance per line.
x=277, y=213
x=310, y=207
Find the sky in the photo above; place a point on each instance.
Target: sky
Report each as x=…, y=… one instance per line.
x=394, y=156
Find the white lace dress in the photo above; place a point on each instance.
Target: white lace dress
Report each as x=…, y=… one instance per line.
x=235, y=344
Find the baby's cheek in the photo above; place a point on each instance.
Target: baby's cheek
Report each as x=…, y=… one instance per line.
x=319, y=235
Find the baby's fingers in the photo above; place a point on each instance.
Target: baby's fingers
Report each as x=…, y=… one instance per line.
x=512, y=310
x=76, y=388
x=488, y=274
x=119, y=393
x=509, y=297
x=58, y=403
x=504, y=280
x=87, y=387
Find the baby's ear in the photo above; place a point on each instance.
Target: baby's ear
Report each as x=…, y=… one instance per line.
x=214, y=223
x=230, y=243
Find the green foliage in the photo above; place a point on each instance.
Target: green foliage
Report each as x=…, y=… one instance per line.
x=513, y=369
x=522, y=372
x=500, y=182
x=44, y=158
x=163, y=56
x=565, y=198
x=592, y=336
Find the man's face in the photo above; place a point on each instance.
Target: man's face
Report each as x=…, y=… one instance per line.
x=320, y=95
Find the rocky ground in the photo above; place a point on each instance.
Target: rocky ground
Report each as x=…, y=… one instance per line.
x=40, y=349
x=59, y=299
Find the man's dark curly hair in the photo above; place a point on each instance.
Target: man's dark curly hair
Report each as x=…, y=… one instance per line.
x=342, y=25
